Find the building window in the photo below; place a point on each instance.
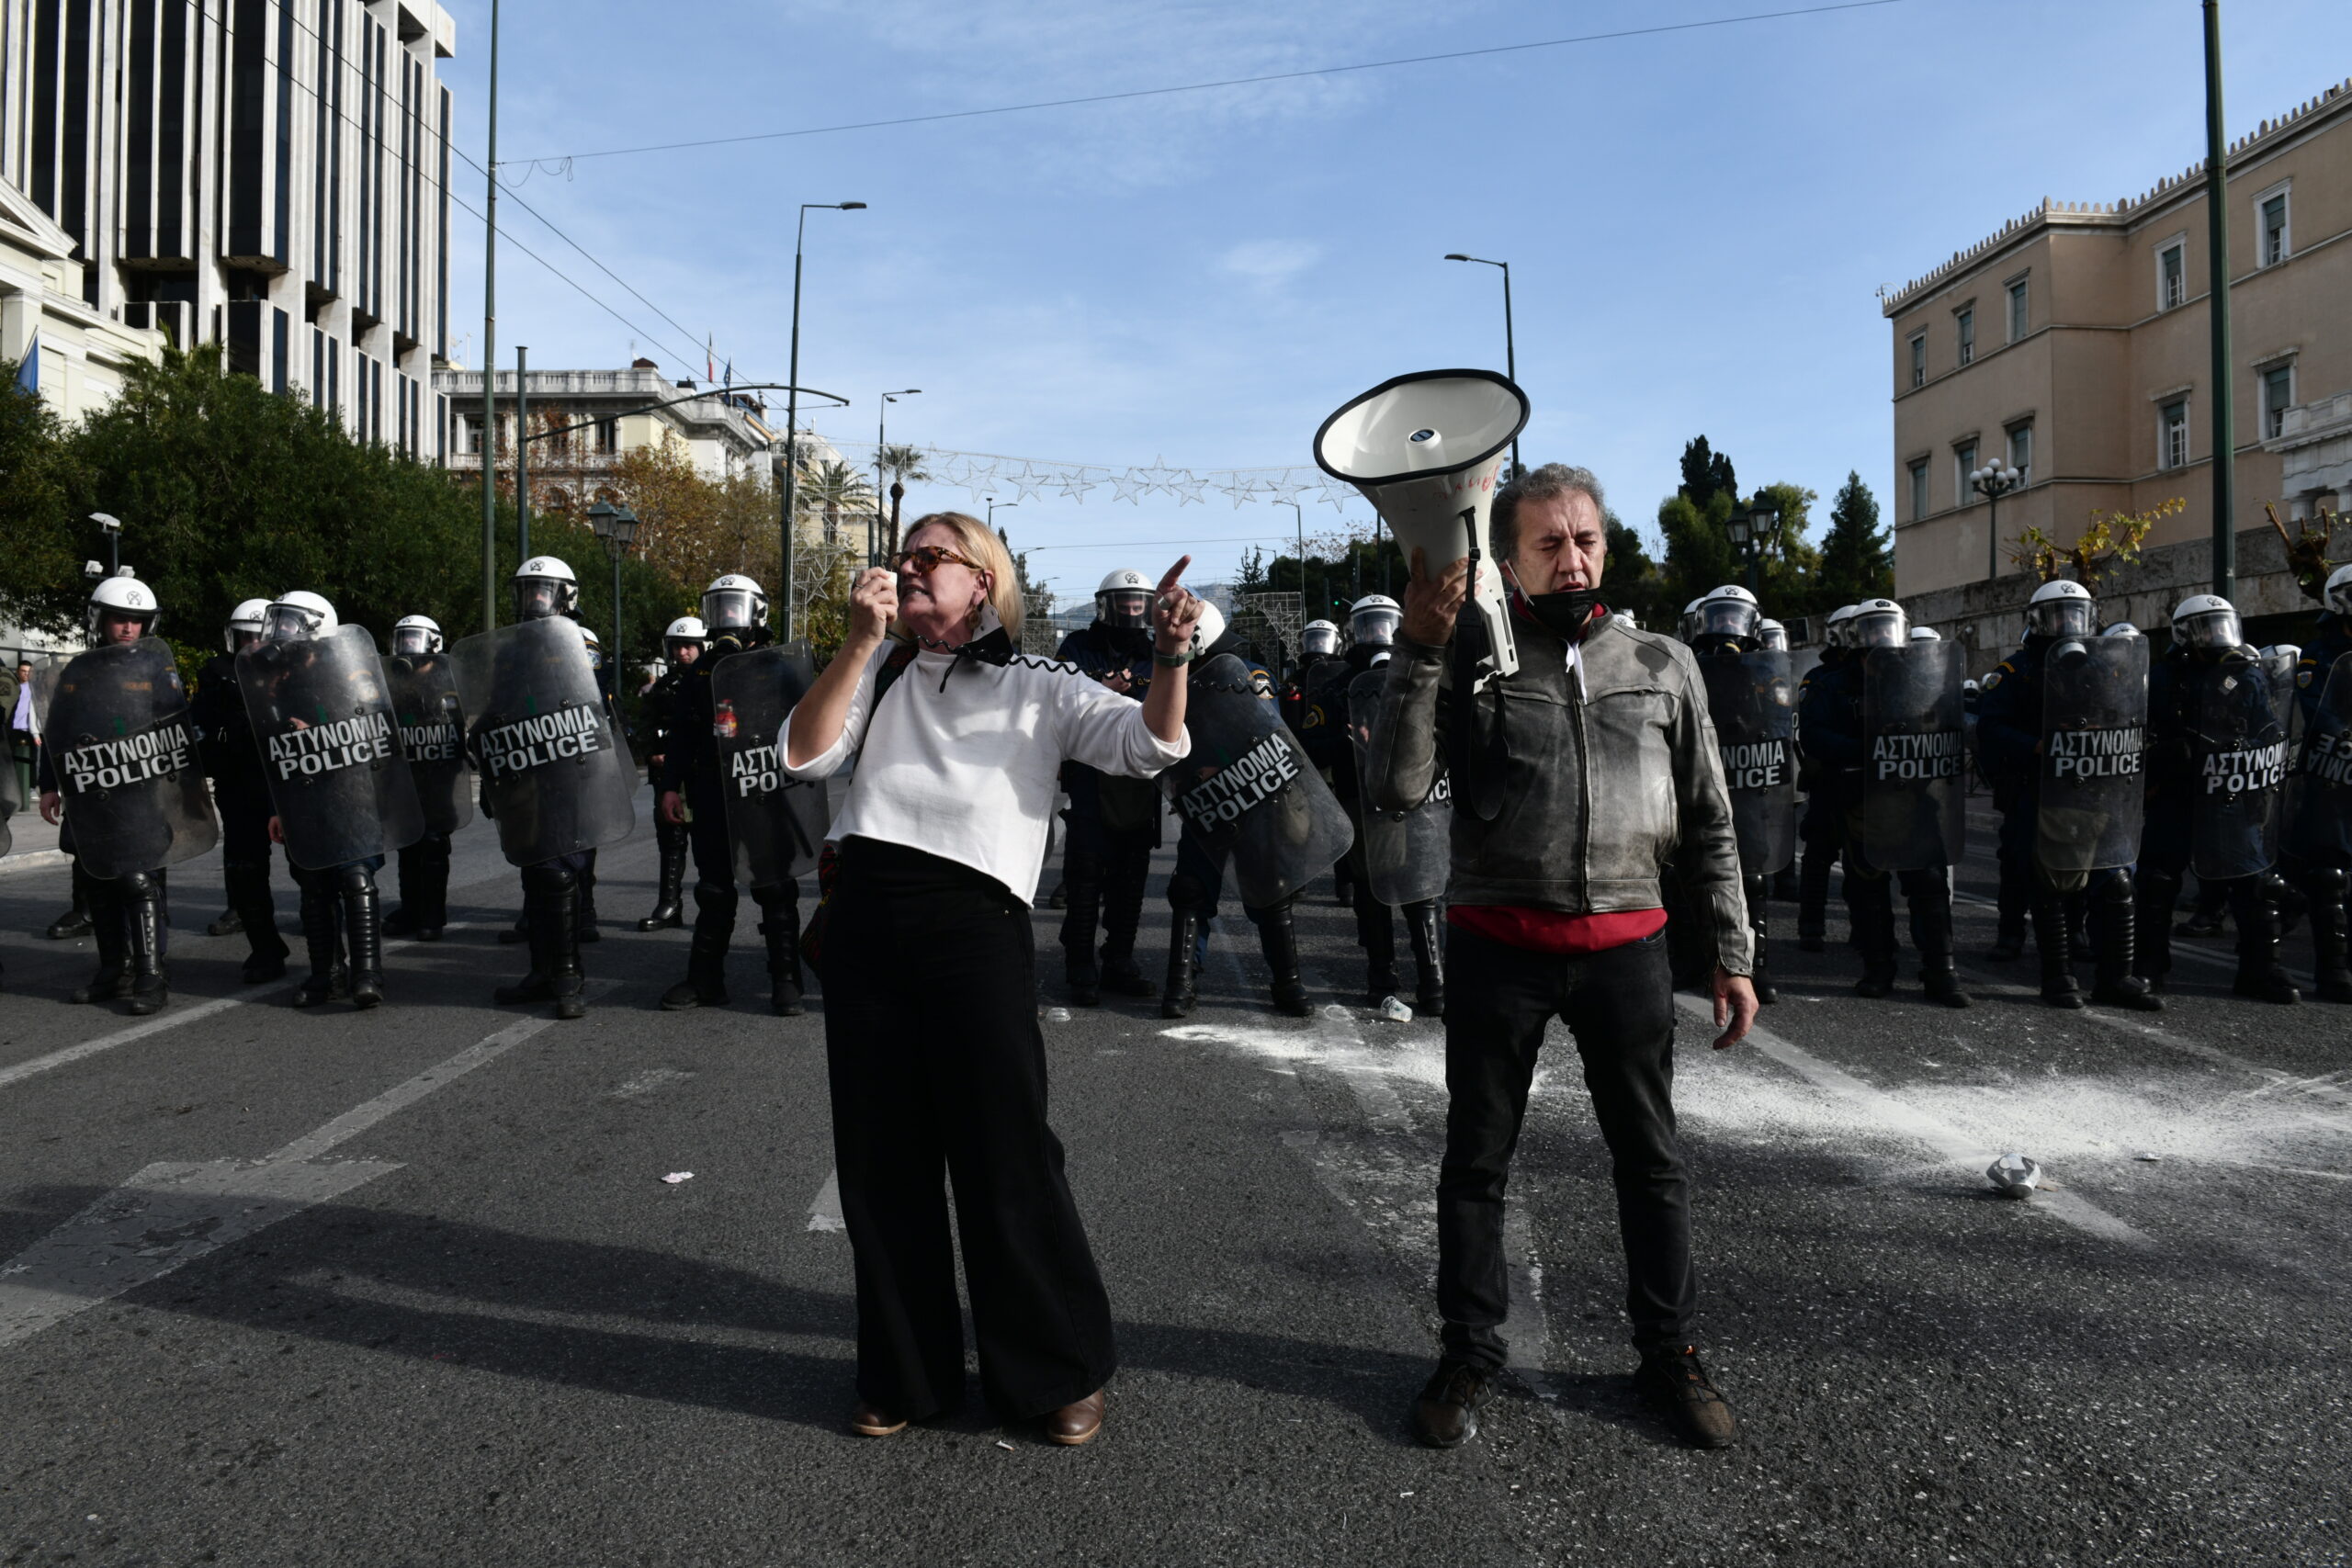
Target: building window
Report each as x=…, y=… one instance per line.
x=608, y=437
x=2021, y=453
x=2171, y=276
x=1919, y=359
x=1918, y=489
x=1963, y=463
x=2016, y=309
x=1967, y=336
x=2278, y=396
x=2172, y=435
x=2273, y=227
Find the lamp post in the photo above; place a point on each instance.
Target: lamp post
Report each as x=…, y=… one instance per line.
x=521, y=452
x=1747, y=528
x=1510, y=351
x=881, y=419
x=994, y=506
x=791, y=402
x=1992, y=482
x=111, y=526
x=616, y=525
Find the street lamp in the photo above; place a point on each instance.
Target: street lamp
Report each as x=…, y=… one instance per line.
x=616, y=525
x=1992, y=482
x=112, y=526
x=1747, y=529
x=881, y=417
x=791, y=402
x=1510, y=353
x=994, y=505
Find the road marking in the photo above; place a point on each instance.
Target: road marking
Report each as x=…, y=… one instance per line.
x=825, y=1213
x=649, y=1082
x=1957, y=1147
x=30, y=858
x=174, y=1212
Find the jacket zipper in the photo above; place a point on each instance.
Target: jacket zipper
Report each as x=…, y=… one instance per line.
x=1584, y=792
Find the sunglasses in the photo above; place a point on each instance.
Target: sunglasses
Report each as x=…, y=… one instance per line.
x=924, y=559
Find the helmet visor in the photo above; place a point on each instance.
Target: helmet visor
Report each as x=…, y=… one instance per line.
x=2212, y=628
x=1878, y=628
x=1320, y=639
x=410, y=641
x=536, y=598
x=1728, y=617
x=239, y=638
x=289, y=623
x=683, y=649
x=1129, y=608
x=1773, y=638
x=1377, y=625
x=727, y=609
x=2062, y=618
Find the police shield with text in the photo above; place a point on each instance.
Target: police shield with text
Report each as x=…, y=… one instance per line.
x=339, y=785
x=119, y=763
x=707, y=744
x=432, y=738
x=1832, y=685
x=2062, y=730
x=241, y=794
x=2318, y=858
x=1114, y=822
x=2216, y=761
x=554, y=775
x=1751, y=700
x=656, y=718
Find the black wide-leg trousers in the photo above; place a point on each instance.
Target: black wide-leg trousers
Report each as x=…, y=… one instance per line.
x=938, y=1075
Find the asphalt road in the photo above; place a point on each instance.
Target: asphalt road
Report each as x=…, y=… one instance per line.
x=408, y=1287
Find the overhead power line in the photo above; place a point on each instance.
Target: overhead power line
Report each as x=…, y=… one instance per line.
x=1226, y=82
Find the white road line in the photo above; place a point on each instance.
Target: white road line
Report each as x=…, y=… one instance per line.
x=1957, y=1147
x=825, y=1213
x=176, y=1211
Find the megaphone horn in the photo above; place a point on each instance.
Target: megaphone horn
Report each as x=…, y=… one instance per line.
x=1425, y=449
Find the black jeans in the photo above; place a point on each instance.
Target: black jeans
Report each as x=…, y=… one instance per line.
x=1620, y=1007
x=938, y=1074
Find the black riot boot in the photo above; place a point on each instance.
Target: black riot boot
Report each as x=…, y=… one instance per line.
x=2151, y=925
x=2205, y=915
x=322, y=911
x=147, y=921
x=2113, y=936
x=228, y=923
x=2054, y=940
x=1376, y=934
x=249, y=895
x=668, y=903
x=1869, y=904
x=403, y=921
x=1081, y=914
x=1122, y=914
x=564, y=907
x=780, y=926
x=586, y=914
x=2325, y=887
x=2286, y=898
x=1278, y=940
x=1177, y=997
x=2014, y=899
x=1813, y=898
x=1931, y=934
x=1425, y=924
x=706, y=982
x=103, y=911
x=424, y=890
x=2260, y=975
x=363, y=934
x=75, y=922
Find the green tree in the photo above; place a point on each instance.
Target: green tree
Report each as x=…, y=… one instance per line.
x=1856, y=561
x=1706, y=473
x=40, y=569
x=1631, y=581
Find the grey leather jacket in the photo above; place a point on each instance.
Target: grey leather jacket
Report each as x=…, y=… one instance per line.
x=1603, y=785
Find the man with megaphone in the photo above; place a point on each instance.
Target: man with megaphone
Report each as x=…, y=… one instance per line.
x=1591, y=762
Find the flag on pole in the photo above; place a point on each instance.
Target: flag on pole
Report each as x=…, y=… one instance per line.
x=730, y=375
x=28, y=373
x=709, y=369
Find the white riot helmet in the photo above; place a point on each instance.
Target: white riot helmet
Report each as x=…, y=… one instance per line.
x=2282, y=655
x=1841, y=624
x=1879, y=622
x=1374, y=619
x=1123, y=600
x=734, y=603
x=544, y=586
x=1320, y=638
x=1969, y=687
x=2121, y=628
x=246, y=623
x=1729, y=611
x=301, y=616
x=1211, y=627
x=1687, y=627
x=684, y=629
x=122, y=596
x=412, y=635
x=594, y=644
x=1771, y=636
x=2207, y=621
x=1926, y=634
x=2060, y=609
x=2338, y=596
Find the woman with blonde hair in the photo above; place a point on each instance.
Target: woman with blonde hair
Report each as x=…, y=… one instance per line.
x=938, y=1068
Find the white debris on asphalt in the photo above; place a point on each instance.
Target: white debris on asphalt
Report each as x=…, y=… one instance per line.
x=676, y=1176
x=1395, y=1010
x=2015, y=1175
x=1058, y=1015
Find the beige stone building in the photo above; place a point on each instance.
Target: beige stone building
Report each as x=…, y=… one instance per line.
x=2074, y=345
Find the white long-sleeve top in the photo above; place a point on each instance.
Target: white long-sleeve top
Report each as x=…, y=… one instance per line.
x=967, y=771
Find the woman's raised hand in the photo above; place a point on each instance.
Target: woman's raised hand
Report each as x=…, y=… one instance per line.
x=873, y=602
x=1175, y=613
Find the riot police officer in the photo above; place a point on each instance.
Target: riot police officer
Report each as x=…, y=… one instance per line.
x=424, y=864
x=2319, y=862
x=1749, y=701
x=657, y=711
x=1821, y=830
x=2014, y=727
x=735, y=616
x=1771, y=636
x=1835, y=733
x=241, y=794
x=1113, y=823
x=1319, y=645
x=2216, y=757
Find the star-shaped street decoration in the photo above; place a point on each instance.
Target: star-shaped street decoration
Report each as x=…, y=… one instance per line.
x=1028, y=482
x=1241, y=490
x=1160, y=476
x=1075, y=484
x=1128, y=487
x=1187, y=490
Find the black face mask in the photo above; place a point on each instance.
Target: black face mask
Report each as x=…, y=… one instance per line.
x=1568, y=615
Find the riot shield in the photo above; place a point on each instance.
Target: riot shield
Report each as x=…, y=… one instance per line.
x=1406, y=855
x=1914, y=751
x=432, y=738
x=2279, y=672
x=1753, y=703
x=1246, y=787
x=2240, y=755
x=778, y=823
x=552, y=769
x=2319, y=797
x=321, y=713
x=2094, y=723
x=120, y=740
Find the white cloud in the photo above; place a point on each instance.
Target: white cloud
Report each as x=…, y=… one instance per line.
x=1269, y=264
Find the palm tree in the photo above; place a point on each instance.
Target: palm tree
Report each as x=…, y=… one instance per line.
x=904, y=465
x=831, y=488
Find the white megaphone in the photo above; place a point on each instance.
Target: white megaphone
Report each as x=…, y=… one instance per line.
x=1425, y=449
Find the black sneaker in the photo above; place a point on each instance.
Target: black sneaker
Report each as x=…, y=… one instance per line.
x=1446, y=1414
x=1693, y=1406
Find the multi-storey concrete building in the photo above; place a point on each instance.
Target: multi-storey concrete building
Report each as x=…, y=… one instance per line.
x=271, y=176
x=2074, y=345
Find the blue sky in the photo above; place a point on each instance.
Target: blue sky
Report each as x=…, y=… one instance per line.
x=1696, y=220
